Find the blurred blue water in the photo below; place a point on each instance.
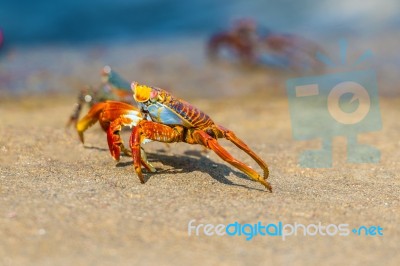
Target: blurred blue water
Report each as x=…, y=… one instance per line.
x=48, y=43
x=27, y=22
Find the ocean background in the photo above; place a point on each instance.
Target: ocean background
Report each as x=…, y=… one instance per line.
x=92, y=21
x=67, y=38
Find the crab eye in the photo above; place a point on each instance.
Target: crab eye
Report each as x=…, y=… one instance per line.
x=142, y=93
x=153, y=96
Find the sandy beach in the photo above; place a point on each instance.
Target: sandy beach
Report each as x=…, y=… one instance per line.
x=63, y=203
x=249, y=65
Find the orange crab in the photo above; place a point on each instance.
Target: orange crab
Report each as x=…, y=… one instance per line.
x=165, y=118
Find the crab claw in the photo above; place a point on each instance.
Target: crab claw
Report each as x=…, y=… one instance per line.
x=129, y=118
x=90, y=119
x=106, y=113
x=112, y=116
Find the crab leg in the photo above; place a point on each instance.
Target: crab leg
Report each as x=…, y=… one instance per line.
x=229, y=135
x=73, y=119
x=116, y=145
x=153, y=131
x=208, y=141
x=163, y=133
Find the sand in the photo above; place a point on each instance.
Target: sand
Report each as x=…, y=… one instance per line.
x=62, y=203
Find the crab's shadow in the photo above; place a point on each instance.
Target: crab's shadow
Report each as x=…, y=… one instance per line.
x=191, y=161
x=94, y=148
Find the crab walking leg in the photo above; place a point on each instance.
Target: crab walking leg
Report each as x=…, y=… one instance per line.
x=153, y=131
x=73, y=119
x=116, y=145
x=145, y=162
x=229, y=135
x=163, y=133
x=203, y=138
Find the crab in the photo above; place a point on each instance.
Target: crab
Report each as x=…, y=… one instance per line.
x=164, y=118
x=240, y=41
x=253, y=44
x=113, y=87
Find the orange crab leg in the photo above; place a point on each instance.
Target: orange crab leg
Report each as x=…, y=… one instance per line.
x=229, y=135
x=203, y=138
x=115, y=143
x=163, y=133
x=153, y=131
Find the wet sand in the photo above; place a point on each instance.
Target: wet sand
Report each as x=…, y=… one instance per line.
x=63, y=203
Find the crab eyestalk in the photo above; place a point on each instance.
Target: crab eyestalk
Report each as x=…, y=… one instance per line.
x=111, y=77
x=142, y=93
